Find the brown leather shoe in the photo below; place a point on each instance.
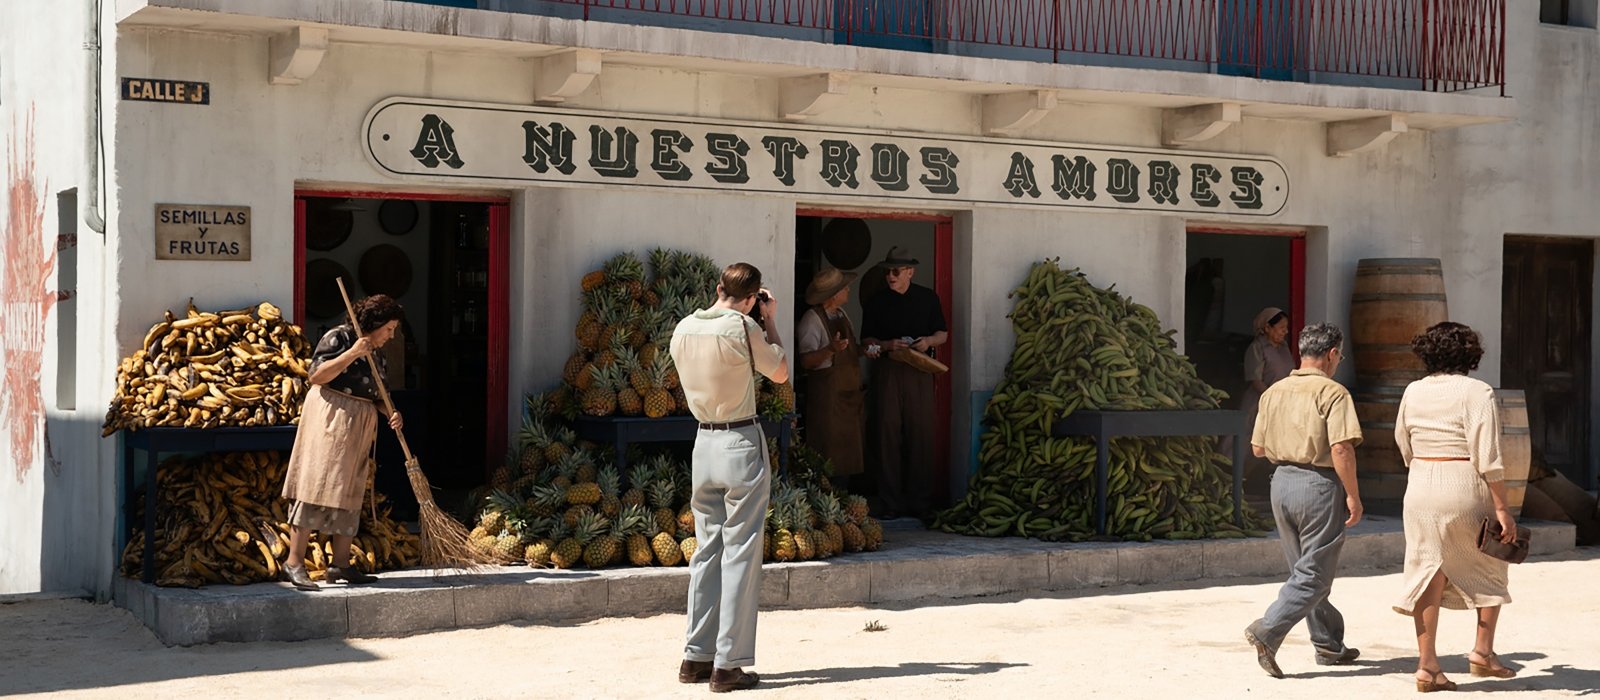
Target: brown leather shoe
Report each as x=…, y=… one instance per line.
x=298, y=577
x=348, y=575
x=728, y=680
x=694, y=671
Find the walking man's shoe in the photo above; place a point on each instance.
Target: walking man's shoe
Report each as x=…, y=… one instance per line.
x=694, y=671
x=1264, y=654
x=299, y=578
x=1343, y=658
x=348, y=575
x=726, y=680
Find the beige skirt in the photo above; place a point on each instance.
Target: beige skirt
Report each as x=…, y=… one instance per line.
x=1445, y=505
x=330, y=462
x=328, y=521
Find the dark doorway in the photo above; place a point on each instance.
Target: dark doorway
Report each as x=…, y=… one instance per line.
x=857, y=243
x=1546, y=312
x=1231, y=277
x=443, y=261
x=1256, y=38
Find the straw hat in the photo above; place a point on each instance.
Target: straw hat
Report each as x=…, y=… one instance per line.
x=826, y=283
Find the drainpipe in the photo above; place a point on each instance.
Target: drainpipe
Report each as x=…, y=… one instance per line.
x=89, y=199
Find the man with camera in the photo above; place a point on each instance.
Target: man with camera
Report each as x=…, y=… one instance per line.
x=717, y=352
x=904, y=316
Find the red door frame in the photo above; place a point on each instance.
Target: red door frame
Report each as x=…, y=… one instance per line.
x=943, y=285
x=1297, y=269
x=497, y=381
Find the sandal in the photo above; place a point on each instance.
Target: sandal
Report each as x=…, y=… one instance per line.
x=1433, y=684
x=1488, y=669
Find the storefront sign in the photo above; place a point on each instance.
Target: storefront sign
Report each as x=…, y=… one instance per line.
x=202, y=232
x=153, y=90
x=440, y=141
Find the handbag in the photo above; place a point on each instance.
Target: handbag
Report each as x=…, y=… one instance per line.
x=1489, y=542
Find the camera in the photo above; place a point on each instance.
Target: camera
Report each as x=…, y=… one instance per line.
x=762, y=297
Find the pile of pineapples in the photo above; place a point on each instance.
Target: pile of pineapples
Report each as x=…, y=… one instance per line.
x=623, y=364
x=561, y=503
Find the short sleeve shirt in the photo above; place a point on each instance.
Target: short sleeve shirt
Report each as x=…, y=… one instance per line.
x=889, y=315
x=714, y=351
x=812, y=335
x=1302, y=417
x=355, y=380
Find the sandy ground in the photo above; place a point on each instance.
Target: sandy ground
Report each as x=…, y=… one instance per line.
x=1126, y=642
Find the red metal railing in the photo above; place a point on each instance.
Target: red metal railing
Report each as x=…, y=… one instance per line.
x=1439, y=45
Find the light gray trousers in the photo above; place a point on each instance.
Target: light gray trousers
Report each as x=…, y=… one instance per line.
x=732, y=484
x=1310, y=509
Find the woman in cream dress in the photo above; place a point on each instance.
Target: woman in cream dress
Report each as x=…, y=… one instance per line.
x=1448, y=430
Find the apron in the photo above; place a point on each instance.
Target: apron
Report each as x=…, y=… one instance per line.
x=329, y=464
x=835, y=407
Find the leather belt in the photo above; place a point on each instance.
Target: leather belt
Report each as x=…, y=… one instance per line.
x=728, y=426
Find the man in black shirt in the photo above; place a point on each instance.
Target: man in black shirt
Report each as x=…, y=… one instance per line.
x=903, y=316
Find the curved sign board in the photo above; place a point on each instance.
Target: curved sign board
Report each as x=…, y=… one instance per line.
x=436, y=141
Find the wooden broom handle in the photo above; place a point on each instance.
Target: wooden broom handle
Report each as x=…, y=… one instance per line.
x=377, y=375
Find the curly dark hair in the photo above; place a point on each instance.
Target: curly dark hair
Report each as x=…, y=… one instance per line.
x=1448, y=348
x=376, y=310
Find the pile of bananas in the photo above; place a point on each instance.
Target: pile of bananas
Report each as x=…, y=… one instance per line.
x=1081, y=347
x=206, y=370
x=219, y=520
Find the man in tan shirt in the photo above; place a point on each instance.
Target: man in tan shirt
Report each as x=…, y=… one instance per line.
x=1307, y=426
x=717, y=352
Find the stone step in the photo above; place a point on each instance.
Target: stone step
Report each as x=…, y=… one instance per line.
x=914, y=565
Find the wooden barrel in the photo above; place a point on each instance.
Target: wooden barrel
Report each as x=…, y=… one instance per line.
x=1376, y=407
x=1516, y=448
x=1394, y=300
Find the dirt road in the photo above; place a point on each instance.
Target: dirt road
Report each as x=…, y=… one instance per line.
x=1124, y=642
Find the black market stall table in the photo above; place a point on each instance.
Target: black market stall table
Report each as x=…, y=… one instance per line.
x=155, y=442
x=1104, y=425
x=619, y=432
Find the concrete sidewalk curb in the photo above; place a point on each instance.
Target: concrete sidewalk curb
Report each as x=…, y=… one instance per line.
x=916, y=565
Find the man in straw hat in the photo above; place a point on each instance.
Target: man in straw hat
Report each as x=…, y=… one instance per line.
x=834, y=412
x=715, y=351
x=904, y=316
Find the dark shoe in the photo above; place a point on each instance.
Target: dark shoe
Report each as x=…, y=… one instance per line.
x=298, y=577
x=1349, y=655
x=1264, y=654
x=727, y=680
x=694, y=671
x=348, y=575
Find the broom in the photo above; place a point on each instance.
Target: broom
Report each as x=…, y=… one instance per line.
x=445, y=544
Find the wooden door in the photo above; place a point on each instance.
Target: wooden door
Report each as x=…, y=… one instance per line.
x=1546, y=309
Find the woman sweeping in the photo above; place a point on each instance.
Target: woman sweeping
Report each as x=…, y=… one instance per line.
x=329, y=467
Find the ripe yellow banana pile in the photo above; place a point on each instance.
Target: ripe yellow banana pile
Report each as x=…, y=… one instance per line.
x=219, y=520
x=206, y=370
x=1081, y=347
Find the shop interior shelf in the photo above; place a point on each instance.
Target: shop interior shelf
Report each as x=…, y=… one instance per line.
x=155, y=442
x=619, y=432
x=1104, y=425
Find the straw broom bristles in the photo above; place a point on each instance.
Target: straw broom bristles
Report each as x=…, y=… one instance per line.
x=444, y=541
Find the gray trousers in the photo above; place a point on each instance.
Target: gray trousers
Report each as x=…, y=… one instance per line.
x=732, y=484
x=1310, y=509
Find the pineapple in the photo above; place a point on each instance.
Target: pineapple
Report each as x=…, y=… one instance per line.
x=688, y=545
x=561, y=403
x=638, y=480
x=508, y=548
x=661, y=494
x=831, y=514
x=639, y=523
x=626, y=270
x=601, y=546
x=856, y=510
x=477, y=532
x=661, y=264
x=629, y=402
x=484, y=544
x=784, y=546
x=784, y=395
x=538, y=554
x=572, y=515
x=586, y=471
x=501, y=478
x=593, y=280
x=610, y=483
x=658, y=400
x=805, y=538
x=560, y=444
x=547, y=500
x=854, y=540
x=678, y=398
x=686, y=520
x=600, y=399
x=576, y=364
x=567, y=551
x=872, y=531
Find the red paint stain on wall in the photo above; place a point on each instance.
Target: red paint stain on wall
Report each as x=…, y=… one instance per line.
x=24, y=302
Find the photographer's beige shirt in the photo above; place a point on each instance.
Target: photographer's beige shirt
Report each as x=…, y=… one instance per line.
x=713, y=357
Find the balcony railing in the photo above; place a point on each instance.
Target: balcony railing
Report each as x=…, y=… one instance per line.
x=1436, y=45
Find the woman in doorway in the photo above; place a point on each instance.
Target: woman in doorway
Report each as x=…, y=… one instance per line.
x=1448, y=431
x=330, y=466
x=1266, y=361
x=835, y=416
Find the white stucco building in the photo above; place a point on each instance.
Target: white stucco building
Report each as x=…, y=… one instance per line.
x=528, y=140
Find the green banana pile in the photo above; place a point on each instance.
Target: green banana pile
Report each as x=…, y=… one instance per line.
x=1082, y=347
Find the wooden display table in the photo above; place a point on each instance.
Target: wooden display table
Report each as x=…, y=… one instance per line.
x=1104, y=425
